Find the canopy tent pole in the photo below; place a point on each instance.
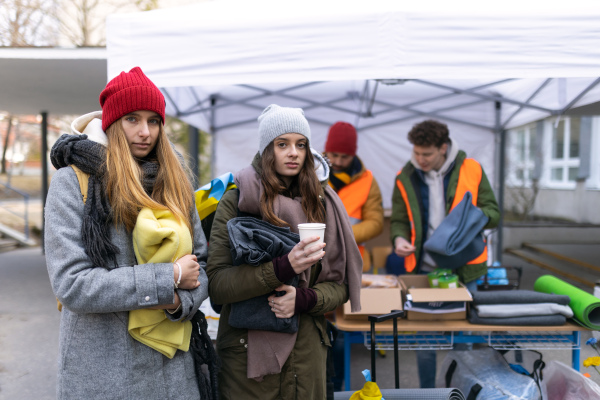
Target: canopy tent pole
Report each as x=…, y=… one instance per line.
x=44, y=159
x=501, y=132
x=193, y=152
x=529, y=99
x=486, y=97
x=213, y=132
x=579, y=96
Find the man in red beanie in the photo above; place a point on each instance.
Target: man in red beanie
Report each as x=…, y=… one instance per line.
x=361, y=196
x=355, y=184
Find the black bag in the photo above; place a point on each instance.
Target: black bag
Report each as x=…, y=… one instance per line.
x=486, y=374
x=255, y=313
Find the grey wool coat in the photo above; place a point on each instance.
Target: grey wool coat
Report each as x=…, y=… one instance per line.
x=98, y=359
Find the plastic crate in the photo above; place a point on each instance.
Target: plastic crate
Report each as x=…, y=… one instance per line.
x=511, y=282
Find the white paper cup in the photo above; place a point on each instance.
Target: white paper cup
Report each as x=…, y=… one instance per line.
x=312, y=229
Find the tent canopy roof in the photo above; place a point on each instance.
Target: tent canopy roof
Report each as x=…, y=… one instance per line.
x=240, y=42
x=382, y=65
x=457, y=50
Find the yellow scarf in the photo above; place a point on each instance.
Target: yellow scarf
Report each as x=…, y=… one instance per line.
x=158, y=237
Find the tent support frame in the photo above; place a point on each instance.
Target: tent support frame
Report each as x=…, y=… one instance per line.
x=368, y=99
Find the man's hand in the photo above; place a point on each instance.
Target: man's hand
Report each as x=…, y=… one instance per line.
x=402, y=247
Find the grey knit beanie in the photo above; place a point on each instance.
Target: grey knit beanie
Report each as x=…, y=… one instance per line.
x=276, y=121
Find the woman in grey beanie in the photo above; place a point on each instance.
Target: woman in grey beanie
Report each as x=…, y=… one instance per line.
x=282, y=187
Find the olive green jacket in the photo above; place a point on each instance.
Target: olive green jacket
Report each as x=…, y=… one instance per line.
x=400, y=224
x=303, y=374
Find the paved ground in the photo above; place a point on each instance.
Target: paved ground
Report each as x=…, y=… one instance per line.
x=29, y=324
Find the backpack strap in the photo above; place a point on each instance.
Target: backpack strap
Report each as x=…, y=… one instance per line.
x=83, y=179
x=450, y=372
x=474, y=392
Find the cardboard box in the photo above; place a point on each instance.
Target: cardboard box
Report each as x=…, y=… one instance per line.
x=375, y=301
x=430, y=304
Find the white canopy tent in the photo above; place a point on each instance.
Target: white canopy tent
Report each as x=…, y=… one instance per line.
x=381, y=65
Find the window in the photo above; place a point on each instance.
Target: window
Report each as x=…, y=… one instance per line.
x=521, y=156
x=593, y=182
x=563, y=162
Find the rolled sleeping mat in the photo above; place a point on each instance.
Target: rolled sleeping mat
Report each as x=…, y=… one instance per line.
x=411, y=394
x=586, y=307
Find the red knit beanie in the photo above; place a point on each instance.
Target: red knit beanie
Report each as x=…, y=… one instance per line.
x=341, y=139
x=130, y=91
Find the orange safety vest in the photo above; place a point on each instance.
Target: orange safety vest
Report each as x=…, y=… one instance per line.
x=354, y=196
x=469, y=178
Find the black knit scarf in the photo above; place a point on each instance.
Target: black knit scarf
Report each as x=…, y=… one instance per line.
x=89, y=156
x=354, y=168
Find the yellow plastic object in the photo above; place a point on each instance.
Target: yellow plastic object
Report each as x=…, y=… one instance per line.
x=370, y=391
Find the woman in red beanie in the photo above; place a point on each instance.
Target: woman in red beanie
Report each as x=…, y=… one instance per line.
x=125, y=160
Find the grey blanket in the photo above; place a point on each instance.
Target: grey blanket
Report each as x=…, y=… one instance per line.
x=254, y=242
x=521, y=310
x=517, y=297
x=458, y=239
x=531, y=320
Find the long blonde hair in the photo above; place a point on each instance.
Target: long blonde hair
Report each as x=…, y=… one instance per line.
x=172, y=188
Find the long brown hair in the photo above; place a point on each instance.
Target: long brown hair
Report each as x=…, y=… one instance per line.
x=172, y=188
x=305, y=184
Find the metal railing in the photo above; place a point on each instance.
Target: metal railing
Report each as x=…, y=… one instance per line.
x=25, y=214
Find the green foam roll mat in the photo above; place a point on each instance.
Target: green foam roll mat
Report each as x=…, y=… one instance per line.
x=586, y=307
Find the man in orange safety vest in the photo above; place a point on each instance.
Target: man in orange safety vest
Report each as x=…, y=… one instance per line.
x=355, y=184
x=358, y=190
x=427, y=188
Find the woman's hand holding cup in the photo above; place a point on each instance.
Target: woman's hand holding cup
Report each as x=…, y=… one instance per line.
x=310, y=248
x=306, y=253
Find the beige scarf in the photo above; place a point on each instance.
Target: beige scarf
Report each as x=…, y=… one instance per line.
x=268, y=351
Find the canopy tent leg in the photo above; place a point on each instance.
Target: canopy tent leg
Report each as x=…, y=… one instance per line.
x=44, y=159
x=501, y=132
x=213, y=141
x=193, y=142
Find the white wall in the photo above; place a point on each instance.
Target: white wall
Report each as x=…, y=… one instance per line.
x=576, y=201
x=579, y=205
